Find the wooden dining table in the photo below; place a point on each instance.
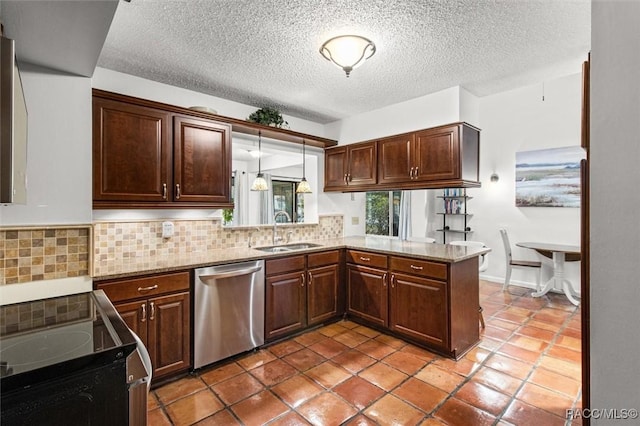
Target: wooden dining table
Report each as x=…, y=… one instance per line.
x=560, y=253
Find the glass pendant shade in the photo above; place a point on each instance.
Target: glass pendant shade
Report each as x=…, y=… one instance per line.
x=303, y=186
x=259, y=184
x=348, y=52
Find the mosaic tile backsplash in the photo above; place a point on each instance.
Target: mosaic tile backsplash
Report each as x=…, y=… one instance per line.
x=140, y=239
x=34, y=254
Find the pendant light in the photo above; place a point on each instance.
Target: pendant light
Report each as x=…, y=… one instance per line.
x=259, y=184
x=303, y=186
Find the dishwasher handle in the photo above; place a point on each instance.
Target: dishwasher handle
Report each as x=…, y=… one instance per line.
x=230, y=273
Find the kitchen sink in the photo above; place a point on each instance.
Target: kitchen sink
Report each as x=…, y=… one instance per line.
x=287, y=247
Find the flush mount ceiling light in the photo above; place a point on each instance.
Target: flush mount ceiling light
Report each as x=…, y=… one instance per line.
x=348, y=51
x=303, y=186
x=259, y=184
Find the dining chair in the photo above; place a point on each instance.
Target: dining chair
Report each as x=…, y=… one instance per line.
x=511, y=263
x=484, y=265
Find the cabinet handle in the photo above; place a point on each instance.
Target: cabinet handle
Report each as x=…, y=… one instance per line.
x=415, y=173
x=310, y=278
x=417, y=268
x=411, y=173
x=153, y=311
x=349, y=177
x=393, y=278
x=384, y=280
x=143, y=289
x=344, y=178
x=177, y=191
x=303, y=280
x=164, y=191
x=144, y=312
x=365, y=259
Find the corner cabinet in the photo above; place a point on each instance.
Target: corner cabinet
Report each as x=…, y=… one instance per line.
x=157, y=309
x=146, y=157
x=439, y=157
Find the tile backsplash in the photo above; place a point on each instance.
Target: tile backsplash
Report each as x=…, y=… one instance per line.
x=139, y=239
x=35, y=254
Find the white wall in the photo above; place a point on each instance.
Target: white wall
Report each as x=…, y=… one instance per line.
x=147, y=89
x=615, y=239
x=58, y=150
x=519, y=120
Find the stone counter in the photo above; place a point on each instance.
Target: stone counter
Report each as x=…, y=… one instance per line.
x=132, y=266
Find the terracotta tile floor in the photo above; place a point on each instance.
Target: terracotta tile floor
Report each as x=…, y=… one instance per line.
x=525, y=371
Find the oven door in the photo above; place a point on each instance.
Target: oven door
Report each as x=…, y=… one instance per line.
x=139, y=371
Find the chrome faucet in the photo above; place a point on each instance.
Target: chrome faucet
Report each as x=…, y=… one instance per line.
x=275, y=223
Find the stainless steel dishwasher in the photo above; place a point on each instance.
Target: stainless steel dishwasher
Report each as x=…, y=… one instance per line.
x=228, y=311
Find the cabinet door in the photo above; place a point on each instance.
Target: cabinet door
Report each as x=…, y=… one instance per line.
x=363, y=159
x=335, y=168
x=202, y=160
x=285, y=304
x=169, y=333
x=418, y=309
x=436, y=154
x=322, y=294
x=135, y=315
x=131, y=158
x=367, y=294
x=394, y=165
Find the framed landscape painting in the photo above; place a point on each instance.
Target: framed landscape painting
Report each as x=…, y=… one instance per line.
x=549, y=177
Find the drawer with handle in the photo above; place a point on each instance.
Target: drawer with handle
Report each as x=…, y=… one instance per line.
x=134, y=288
x=422, y=268
x=366, y=258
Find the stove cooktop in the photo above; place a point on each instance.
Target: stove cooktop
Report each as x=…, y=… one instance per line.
x=45, y=338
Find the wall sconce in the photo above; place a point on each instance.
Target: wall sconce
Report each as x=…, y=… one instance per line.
x=494, y=177
x=348, y=51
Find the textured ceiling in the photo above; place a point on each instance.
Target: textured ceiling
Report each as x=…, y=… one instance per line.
x=265, y=53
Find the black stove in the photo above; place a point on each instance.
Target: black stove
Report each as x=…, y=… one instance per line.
x=61, y=358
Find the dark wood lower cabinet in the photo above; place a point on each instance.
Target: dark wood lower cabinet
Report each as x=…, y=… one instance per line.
x=301, y=291
x=434, y=304
x=367, y=294
x=418, y=309
x=322, y=293
x=158, y=309
x=285, y=304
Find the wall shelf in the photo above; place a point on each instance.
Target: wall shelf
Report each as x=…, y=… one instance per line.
x=454, y=206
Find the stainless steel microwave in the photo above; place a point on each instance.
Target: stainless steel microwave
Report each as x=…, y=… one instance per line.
x=13, y=128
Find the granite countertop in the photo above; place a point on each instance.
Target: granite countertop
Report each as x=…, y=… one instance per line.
x=120, y=268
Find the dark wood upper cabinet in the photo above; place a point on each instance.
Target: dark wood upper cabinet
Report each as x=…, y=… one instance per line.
x=131, y=152
x=202, y=160
x=440, y=157
x=350, y=166
x=395, y=158
x=149, y=154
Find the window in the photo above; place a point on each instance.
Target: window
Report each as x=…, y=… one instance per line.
x=286, y=199
x=383, y=213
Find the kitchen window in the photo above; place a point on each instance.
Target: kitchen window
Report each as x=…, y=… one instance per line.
x=286, y=199
x=383, y=213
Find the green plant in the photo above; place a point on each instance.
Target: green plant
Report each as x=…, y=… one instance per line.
x=227, y=216
x=267, y=116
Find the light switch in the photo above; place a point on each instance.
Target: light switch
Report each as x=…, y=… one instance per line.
x=167, y=229
x=355, y=220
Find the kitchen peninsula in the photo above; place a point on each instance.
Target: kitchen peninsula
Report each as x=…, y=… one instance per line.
x=422, y=292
